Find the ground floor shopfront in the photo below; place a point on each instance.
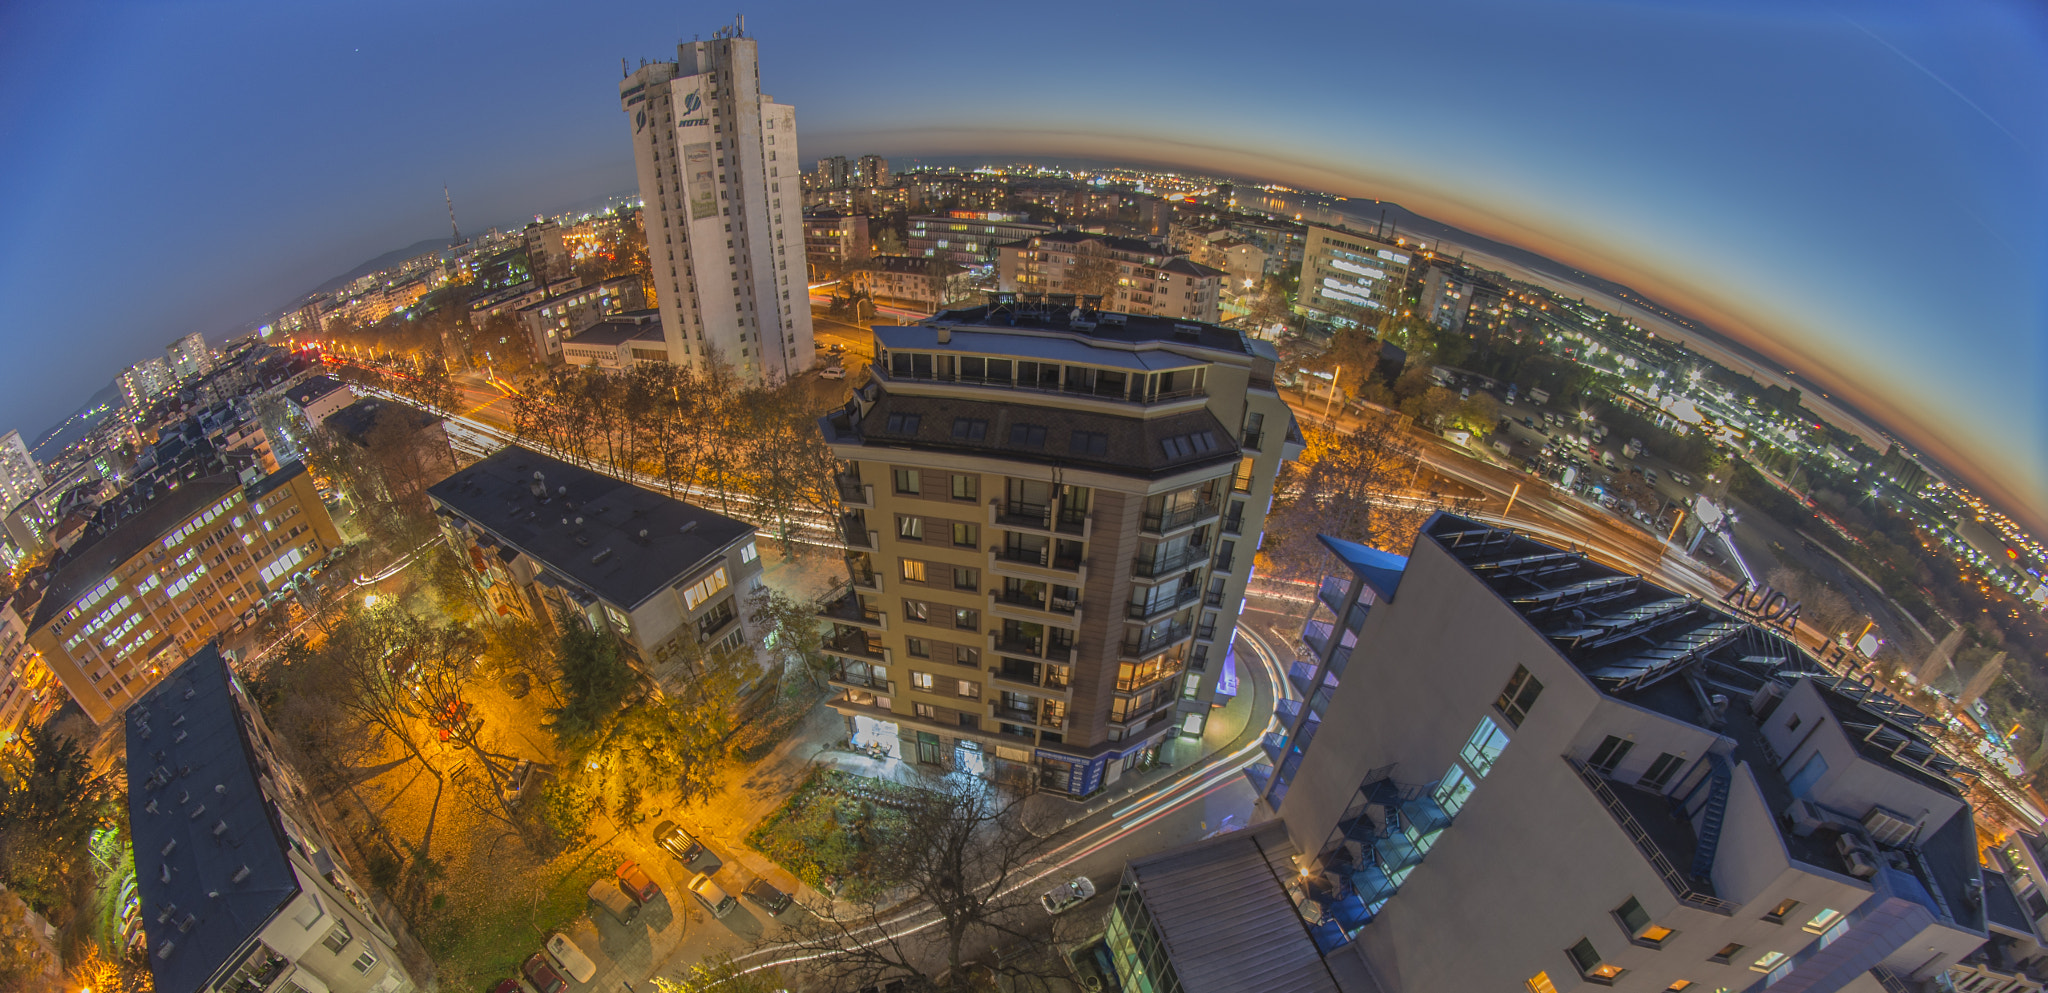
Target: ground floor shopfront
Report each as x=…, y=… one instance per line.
x=1054, y=772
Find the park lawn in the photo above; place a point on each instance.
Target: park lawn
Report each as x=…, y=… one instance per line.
x=827, y=831
x=475, y=946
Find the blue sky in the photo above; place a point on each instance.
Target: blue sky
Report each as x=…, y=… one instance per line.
x=1856, y=189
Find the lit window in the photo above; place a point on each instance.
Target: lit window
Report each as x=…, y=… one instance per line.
x=1727, y=952
x=749, y=553
x=1678, y=986
x=913, y=570
x=1767, y=962
x=921, y=680
x=1587, y=960
x=1484, y=747
x=1452, y=792
x=1540, y=983
x=1779, y=912
x=1823, y=920
x=1635, y=921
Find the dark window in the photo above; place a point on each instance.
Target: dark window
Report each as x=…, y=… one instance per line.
x=903, y=423
x=906, y=480
x=966, y=535
x=1088, y=443
x=969, y=429
x=966, y=487
x=1726, y=954
x=1660, y=772
x=917, y=648
x=1587, y=960
x=966, y=620
x=966, y=579
x=1610, y=753
x=916, y=610
x=1793, y=724
x=1027, y=435
x=1520, y=695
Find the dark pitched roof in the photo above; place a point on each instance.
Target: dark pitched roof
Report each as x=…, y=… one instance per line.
x=187, y=750
x=1115, y=243
x=912, y=264
x=87, y=564
x=1131, y=446
x=588, y=526
x=1189, y=267
x=313, y=389
x=1225, y=917
x=356, y=420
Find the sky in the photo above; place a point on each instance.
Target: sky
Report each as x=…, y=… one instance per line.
x=1858, y=190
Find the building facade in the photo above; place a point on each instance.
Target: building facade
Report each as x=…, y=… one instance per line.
x=719, y=177
x=835, y=240
x=145, y=381
x=555, y=318
x=189, y=356
x=967, y=237
x=544, y=537
x=131, y=602
x=1618, y=785
x=1350, y=279
x=617, y=344
x=29, y=692
x=1050, y=516
x=21, y=476
x=911, y=283
x=240, y=886
x=1131, y=276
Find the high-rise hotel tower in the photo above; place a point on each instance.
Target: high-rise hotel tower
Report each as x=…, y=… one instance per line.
x=721, y=227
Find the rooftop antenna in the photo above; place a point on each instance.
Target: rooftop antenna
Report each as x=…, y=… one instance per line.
x=451, y=213
x=623, y=73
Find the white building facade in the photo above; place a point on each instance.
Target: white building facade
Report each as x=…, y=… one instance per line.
x=723, y=208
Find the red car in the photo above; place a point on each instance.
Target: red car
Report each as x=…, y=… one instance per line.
x=637, y=884
x=506, y=986
x=542, y=975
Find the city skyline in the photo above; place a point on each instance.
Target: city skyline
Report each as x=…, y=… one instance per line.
x=1762, y=171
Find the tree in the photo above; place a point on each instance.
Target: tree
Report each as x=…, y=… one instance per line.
x=51, y=801
x=27, y=963
x=1093, y=271
x=362, y=673
x=1347, y=485
x=792, y=633
x=965, y=853
x=596, y=680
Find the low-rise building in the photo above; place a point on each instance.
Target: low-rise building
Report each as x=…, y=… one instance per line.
x=154, y=580
x=968, y=237
x=923, y=285
x=615, y=345
x=240, y=887
x=835, y=240
x=1351, y=279
x=1128, y=275
x=314, y=400
x=549, y=539
x=551, y=321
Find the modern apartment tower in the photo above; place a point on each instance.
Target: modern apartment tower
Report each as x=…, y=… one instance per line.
x=1050, y=514
x=21, y=476
x=189, y=356
x=714, y=157
x=1509, y=767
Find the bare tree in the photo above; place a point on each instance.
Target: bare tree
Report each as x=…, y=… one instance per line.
x=970, y=857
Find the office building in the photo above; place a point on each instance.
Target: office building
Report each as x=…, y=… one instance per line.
x=569, y=309
x=29, y=692
x=833, y=240
x=1614, y=784
x=21, y=476
x=967, y=237
x=723, y=209
x=1050, y=514
x=920, y=285
x=151, y=583
x=145, y=381
x=189, y=356
x=1131, y=276
x=615, y=345
x=1350, y=279
x=239, y=885
x=834, y=173
x=548, y=538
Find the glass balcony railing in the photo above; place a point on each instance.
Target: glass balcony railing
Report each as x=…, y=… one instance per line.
x=1174, y=520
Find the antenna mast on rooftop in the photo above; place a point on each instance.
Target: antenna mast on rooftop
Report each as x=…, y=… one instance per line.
x=451, y=214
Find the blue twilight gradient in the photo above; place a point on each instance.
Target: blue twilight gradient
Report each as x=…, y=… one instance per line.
x=1855, y=189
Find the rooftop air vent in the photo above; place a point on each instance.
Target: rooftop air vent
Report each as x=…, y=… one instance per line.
x=687, y=528
x=240, y=874
x=180, y=736
x=169, y=847
x=643, y=534
x=220, y=828
x=150, y=806
x=602, y=554
x=196, y=811
x=163, y=871
x=164, y=950
x=180, y=720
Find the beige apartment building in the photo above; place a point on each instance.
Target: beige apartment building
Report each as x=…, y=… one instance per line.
x=1130, y=275
x=135, y=599
x=1050, y=514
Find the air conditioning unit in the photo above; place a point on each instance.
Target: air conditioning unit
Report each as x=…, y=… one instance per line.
x=1889, y=828
x=1861, y=864
x=1804, y=817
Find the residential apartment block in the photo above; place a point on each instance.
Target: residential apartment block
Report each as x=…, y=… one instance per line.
x=29, y=693
x=833, y=239
x=143, y=591
x=617, y=344
x=719, y=177
x=911, y=283
x=1050, y=515
x=553, y=319
x=1350, y=279
x=239, y=886
x=1615, y=784
x=21, y=476
x=189, y=356
x=967, y=237
x=1133, y=276
x=545, y=537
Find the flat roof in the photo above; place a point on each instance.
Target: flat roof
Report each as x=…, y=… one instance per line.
x=1222, y=910
x=211, y=862
x=588, y=526
x=611, y=334
x=1061, y=313
x=1131, y=446
x=1031, y=347
x=86, y=564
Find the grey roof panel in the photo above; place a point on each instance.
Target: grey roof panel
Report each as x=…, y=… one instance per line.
x=1226, y=919
x=1033, y=347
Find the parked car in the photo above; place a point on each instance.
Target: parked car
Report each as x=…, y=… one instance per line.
x=716, y=900
x=570, y=957
x=507, y=986
x=835, y=372
x=1067, y=895
x=636, y=882
x=677, y=842
x=610, y=896
x=515, y=785
x=767, y=897
x=542, y=975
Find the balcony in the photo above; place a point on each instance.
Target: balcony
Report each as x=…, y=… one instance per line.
x=1301, y=675
x=1012, y=559
x=854, y=493
x=1151, y=611
x=1137, y=721
x=1074, y=522
x=864, y=579
x=1142, y=646
x=1157, y=566
x=853, y=530
x=1019, y=514
x=849, y=679
x=1224, y=561
x=1680, y=885
x=1174, y=520
x=1234, y=524
x=844, y=604
x=1139, y=682
x=1334, y=592
x=1026, y=715
x=1127, y=394
x=1017, y=598
x=856, y=644
x=1206, y=632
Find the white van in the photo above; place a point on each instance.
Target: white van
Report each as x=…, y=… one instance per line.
x=571, y=958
